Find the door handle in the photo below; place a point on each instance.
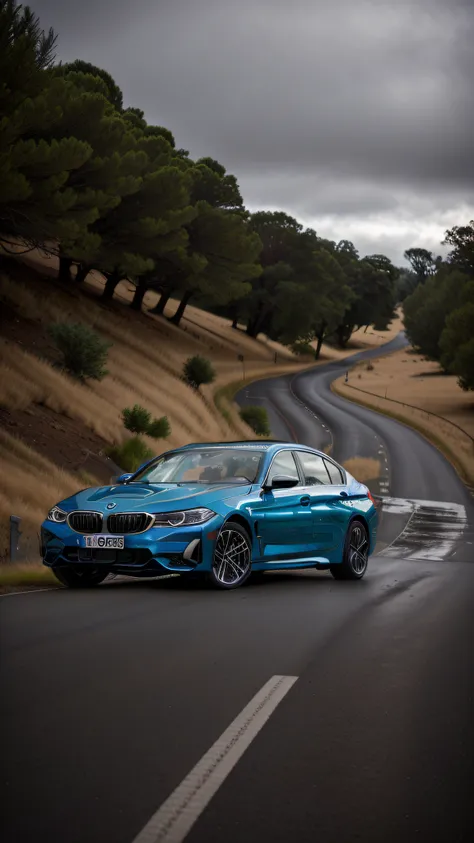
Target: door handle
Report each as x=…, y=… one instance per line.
x=305, y=500
x=343, y=494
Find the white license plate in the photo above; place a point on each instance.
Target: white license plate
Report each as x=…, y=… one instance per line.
x=115, y=542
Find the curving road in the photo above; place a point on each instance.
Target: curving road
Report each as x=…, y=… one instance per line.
x=343, y=711
x=295, y=404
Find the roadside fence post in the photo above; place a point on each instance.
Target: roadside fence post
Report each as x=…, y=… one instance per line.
x=15, y=534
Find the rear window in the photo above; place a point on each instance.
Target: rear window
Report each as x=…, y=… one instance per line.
x=335, y=473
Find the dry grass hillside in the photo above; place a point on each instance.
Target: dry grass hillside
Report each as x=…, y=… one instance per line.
x=409, y=378
x=55, y=431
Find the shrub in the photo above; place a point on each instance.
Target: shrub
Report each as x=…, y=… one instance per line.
x=301, y=347
x=197, y=370
x=136, y=419
x=159, y=428
x=257, y=419
x=131, y=454
x=84, y=352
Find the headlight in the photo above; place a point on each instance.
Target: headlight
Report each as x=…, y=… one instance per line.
x=183, y=518
x=57, y=515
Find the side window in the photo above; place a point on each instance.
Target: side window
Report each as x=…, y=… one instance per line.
x=284, y=463
x=314, y=469
x=335, y=473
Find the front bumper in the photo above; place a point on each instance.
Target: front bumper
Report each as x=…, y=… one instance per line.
x=158, y=550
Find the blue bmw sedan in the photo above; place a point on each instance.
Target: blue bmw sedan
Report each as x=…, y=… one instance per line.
x=220, y=509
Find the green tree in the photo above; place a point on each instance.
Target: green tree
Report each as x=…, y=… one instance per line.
x=221, y=251
x=277, y=232
x=148, y=224
x=426, y=310
x=461, y=238
x=36, y=201
x=112, y=90
x=405, y=284
x=112, y=171
x=422, y=262
x=26, y=51
x=457, y=339
x=372, y=285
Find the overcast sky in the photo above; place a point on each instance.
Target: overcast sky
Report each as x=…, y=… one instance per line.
x=357, y=117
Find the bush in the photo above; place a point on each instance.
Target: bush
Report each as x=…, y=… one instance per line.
x=257, y=419
x=197, y=370
x=159, y=428
x=131, y=454
x=301, y=347
x=84, y=352
x=136, y=419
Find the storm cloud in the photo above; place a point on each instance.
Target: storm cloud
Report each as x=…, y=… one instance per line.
x=355, y=116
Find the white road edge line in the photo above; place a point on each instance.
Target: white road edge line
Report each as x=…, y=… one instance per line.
x=172, y=822
x=29, y=591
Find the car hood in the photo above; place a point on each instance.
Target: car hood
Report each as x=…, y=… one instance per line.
x=152, y=497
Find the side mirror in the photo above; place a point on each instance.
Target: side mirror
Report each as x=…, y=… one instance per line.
x=122, y=478
x=281, y=481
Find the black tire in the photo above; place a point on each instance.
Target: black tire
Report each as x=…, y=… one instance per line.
x=231, y=572
x=80, y=577
x=355, y=555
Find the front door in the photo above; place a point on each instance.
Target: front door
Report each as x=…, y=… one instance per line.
x=284, y=515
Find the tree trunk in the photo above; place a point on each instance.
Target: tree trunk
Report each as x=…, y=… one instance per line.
x=159, y=308
x=141, y=288
x=176, y=319
x=320, y=336
x=64, y=269
x=113, y=280
x=344, y=333
x=320, y=339
x=82, y=273
x=254, y=326
x=234, y=316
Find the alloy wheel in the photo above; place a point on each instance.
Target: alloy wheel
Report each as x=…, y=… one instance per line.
x=358, y=549
x=232, y=558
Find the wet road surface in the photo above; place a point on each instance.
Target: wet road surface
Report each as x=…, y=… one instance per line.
x=110, y=697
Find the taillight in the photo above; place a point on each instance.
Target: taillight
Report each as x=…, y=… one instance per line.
x=370, y=497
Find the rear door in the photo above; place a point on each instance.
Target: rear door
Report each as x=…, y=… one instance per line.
x=285, y=525
x=323, y=483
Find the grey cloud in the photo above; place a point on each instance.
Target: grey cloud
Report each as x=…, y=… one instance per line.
x=333, y=108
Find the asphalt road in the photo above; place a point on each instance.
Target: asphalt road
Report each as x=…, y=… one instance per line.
x=111, y=696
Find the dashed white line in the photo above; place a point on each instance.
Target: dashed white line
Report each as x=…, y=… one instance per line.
x=172, y=822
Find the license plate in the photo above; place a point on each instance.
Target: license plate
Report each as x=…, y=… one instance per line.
x=115, y=542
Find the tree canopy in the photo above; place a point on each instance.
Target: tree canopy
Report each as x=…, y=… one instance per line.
x=85, y=177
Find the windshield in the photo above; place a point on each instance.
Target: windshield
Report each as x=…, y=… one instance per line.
x=207, y=466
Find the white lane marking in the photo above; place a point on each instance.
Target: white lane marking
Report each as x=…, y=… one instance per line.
x=117, y=578
x=29, y=591
x=172, y=822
